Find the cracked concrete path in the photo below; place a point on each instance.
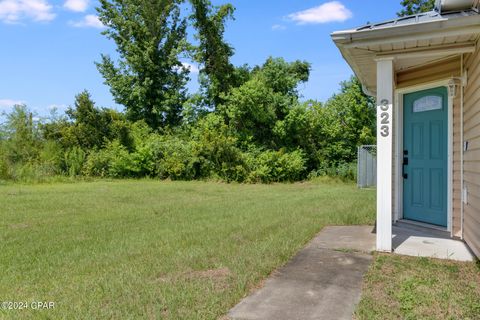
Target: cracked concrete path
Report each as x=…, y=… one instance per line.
x=323, y=281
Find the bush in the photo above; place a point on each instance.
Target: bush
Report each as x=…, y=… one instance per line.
x=344, y=171
x=74, y=160
x=217, y=150
x=3, y=166
x=276, y=166
x=97, y=164
x=178, y=160
x=52, y=161
x=114, y=161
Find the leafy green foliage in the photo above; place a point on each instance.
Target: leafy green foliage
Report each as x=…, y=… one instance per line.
x=149, y=79
x=246, y=124
x=74, y=159
x=347, y=121
x=254, y=108
x=276, y=166
x=20, y=135
x=262, y=134
x=87, y=127
x=411, y=7
x=218, y=74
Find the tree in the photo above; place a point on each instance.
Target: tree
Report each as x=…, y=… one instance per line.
x=149, y=78
x=20, y=135
x=254, y=108
x=90, y=127
x=411, y=7
x=347, y=121
x=87, y=126
x=218, y=75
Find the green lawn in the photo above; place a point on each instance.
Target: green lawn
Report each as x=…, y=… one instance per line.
x=149, y=249
x=399, y=287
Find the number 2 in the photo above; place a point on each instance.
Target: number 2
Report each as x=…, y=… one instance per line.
x=384, y=121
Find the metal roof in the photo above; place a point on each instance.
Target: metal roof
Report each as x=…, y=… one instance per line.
x=418, y=18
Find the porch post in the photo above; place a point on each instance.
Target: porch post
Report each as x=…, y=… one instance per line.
x=384, y=153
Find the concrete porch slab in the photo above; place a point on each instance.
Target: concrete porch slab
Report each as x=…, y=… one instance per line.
x=417, y=241
x=323, y=281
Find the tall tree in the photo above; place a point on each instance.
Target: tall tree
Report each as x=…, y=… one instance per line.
x=347, y=121
x=21, y=135
x=254, y=108
x=415, y=6
x=218, y=75
x=149, y=78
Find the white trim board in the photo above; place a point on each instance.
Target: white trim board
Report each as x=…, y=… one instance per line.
x=398, y=152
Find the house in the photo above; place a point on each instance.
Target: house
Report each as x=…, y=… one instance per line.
x=424, y=71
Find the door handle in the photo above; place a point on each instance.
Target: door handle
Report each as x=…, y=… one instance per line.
x=405, y=163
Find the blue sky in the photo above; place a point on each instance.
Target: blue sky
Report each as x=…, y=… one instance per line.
x=50, y=46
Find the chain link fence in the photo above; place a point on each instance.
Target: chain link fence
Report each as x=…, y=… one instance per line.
x=367, y=166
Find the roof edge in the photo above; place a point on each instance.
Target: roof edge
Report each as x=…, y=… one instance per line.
x=361, y=33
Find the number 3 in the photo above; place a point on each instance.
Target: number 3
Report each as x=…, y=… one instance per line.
x=384, y=120
x=384, y=131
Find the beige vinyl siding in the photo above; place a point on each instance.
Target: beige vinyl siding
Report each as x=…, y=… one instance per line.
x=438, y=71
x=395, y=208
x=456, y=177
x=432, y=72
x=472, y=155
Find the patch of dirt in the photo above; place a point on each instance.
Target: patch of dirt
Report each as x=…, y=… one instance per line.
x=213, y=274
x=218, y=276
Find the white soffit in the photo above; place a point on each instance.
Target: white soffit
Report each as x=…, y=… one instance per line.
x=412, y=41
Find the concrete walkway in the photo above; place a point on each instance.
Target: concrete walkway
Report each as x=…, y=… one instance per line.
x=323, y=281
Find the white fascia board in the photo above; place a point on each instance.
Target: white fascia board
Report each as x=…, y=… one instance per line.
x=393, y=32
x=419, y=35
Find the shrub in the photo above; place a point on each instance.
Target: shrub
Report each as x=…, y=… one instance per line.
x=74, y=160
x=218, y=154
x=122, y=163
x=114, y=161
x=3, y=165
x=344, y=171
x=276, y=166
x=52, y=161
x=178, y=160
x=97, y=164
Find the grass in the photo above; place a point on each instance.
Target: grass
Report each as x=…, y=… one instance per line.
x=157, y=250
x=398, y=287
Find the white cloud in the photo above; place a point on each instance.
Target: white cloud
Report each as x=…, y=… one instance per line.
x=8, y=103
x=76, y=5
x=89, y=21
x=332, y=11
x=12, y=11
x=278, y=27
x=192, y=68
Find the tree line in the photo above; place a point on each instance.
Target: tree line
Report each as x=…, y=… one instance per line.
x=245, y=124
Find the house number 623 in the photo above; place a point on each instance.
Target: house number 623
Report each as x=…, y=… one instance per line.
x=384, y=119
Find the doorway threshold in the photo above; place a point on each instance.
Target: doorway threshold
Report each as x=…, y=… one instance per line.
x=423, y=225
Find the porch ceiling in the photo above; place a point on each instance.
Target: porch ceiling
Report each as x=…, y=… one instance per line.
x=412, y=43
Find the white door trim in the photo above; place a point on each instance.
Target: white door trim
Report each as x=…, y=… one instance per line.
x=398, y=152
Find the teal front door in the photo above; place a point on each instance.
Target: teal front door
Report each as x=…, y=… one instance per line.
x=425, y=156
